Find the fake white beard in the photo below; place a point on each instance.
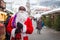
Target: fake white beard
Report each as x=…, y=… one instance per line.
x=21, y=17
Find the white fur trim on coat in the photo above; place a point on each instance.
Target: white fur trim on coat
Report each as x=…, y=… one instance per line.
x=13, y=32
x=24, y=28
x=23, y=35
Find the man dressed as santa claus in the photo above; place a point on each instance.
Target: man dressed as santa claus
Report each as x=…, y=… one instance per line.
x=24, y=19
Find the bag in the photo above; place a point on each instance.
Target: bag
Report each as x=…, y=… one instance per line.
x=36, y=27
x=42, y=24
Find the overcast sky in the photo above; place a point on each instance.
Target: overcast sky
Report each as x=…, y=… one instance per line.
x=35, y=2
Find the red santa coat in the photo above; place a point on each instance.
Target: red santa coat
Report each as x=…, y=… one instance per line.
x=27, y=29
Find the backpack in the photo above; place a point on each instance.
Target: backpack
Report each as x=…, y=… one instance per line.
x=42, y=23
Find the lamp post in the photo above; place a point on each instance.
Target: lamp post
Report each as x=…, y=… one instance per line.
x=28, y=6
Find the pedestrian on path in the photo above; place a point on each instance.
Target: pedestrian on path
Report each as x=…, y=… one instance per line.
x=39, y=25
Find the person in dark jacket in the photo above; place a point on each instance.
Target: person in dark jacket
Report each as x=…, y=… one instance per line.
x=7, y=20
x=39, y=25
x=6, y=23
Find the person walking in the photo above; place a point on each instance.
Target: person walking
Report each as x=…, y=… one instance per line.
x=39, y=25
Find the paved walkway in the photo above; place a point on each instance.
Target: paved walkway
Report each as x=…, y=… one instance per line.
x=46, y=34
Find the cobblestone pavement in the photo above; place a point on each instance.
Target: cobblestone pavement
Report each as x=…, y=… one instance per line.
x=46, y=34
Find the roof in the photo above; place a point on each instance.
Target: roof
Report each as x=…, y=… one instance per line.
x=48, y=12
x=52, y=11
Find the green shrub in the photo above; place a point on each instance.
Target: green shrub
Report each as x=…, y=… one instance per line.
x=57, y=23
x=48, y=21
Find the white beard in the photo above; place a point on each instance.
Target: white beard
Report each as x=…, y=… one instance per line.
x=21, y=17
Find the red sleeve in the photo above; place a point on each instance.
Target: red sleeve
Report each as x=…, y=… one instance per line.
x=29, y=26
x=9, y=27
